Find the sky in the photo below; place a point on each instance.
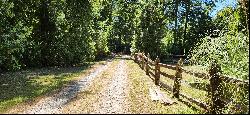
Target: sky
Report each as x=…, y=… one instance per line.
x=220, y=5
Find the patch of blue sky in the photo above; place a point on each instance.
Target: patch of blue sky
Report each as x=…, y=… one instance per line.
x=220, y=4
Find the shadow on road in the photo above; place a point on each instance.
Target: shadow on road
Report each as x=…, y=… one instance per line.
x=25, y=85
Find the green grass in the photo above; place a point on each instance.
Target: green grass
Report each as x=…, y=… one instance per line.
x=26, y=85
x=192, y=90
x=141, y=102
x=198, y=87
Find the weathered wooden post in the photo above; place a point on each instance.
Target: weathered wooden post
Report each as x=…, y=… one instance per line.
x=177, y=80
x=215, y=92
x=135, y=57
x=147, y=64
x=143, y=61
x=139, y=58
x=157, y=71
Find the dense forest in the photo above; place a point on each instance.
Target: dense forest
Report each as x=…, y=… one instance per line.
x=61, y=32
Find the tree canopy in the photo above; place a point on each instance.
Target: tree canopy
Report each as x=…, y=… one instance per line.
x=62, y=32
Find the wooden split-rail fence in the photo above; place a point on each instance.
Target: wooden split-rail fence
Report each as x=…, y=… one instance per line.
x=213, y=75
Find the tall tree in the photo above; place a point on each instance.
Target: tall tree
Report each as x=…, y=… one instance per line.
x=187, y=6
x=176, y=24
x=152, y=28
x=245, y=5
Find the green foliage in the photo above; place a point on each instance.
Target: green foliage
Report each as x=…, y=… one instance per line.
x=62, y=32
x=150, y=27
x=231, y=49
x=101, y=27
x=123, y=28
x=45, y=33
x=232, y=53
x=231, y=20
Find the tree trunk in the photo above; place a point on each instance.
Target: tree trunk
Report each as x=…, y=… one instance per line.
x=44, y=30
x=244, y=4
x=185, y=27
x=176, y=18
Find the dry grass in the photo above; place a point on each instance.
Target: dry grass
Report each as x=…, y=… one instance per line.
x=140, y=99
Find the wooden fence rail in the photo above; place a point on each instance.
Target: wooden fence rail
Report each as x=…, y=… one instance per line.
x=167, y=66
x=214, y=77
x=196, y=74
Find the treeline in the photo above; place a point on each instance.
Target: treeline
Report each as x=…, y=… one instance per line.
x=65, y=32
x=37, y=33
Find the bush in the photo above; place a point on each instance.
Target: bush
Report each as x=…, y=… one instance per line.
x=232, y=53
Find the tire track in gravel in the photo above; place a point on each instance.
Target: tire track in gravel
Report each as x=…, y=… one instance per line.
x=113, y=99
x=53, y=103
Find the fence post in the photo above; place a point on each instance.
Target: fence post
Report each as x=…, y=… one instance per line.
x=147, y=64
x=139, y=58
x=157, y=71
x=135, y=57
x=143, y=61
x=215, y=93
x=178, y=77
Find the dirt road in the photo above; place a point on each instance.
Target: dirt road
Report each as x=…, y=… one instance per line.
x=113, y=98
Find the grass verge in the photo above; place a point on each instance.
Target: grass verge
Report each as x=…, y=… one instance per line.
x=140, y=98
x=19, y=88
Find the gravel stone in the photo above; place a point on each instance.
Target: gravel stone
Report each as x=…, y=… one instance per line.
x=52, y=104
x=113, y=100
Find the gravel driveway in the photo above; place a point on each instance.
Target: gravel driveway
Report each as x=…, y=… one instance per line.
x=113, y=99
x=53, y=103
